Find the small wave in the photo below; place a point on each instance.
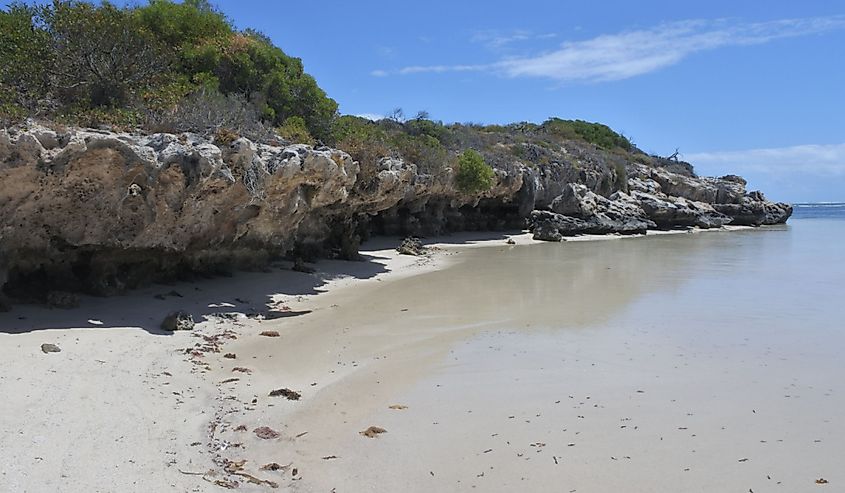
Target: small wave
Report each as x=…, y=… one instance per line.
x=810, y=205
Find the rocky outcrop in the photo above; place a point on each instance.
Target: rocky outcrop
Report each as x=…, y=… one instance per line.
x=657, y=198
x=577, y=210
x=102, y=212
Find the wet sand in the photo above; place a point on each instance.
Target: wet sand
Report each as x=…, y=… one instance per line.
x=666, y=363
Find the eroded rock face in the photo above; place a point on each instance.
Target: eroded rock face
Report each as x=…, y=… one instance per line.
x=577, y=210
x=102, y=212
x=657, y=198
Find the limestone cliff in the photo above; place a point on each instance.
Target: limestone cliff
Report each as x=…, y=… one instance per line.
x=102, y=212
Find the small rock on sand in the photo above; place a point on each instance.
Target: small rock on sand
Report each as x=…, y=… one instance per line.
x=289, y=394
x=269, y=333
x=230, y=356
x=50, y=348
x=178, y=321
x=398, y=407
x=373, y=431
x=411, y=246
x=266, y=433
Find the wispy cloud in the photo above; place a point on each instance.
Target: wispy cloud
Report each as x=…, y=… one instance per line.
x=822, y=160
x=632, y=53
x=496, y=39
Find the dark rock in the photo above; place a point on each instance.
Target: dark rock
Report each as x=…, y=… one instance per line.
x=50, y=348
x=373, y=431
x=288, y=394
x=777, y=213
x=62, y=299
x=178, y=321
x=266, y=433
x=411, y=246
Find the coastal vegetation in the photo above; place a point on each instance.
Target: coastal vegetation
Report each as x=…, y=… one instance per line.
x=184, y=67
x=145, y=66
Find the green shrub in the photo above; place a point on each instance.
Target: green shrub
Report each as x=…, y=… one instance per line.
x=594, y=133
x=473, y=174
x=294, y=130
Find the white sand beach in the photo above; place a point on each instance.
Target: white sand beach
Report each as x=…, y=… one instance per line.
x=606, y=366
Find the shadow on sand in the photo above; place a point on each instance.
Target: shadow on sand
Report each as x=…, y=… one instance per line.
x=244, y=292
x=145, y=308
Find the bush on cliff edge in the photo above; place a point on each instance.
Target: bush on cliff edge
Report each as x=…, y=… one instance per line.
x=473, y=174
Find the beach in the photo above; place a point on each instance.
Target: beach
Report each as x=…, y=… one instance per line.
x=679, y=362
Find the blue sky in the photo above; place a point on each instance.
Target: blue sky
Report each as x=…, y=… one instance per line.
x=754, y=88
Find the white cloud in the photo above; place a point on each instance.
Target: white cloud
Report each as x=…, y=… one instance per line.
x=379, y=73
x=821, y=160
x=631, y=53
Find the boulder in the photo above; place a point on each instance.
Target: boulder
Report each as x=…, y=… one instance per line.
x=746, y=213
x=179, y=320
x=777, y=213
x=411, y=246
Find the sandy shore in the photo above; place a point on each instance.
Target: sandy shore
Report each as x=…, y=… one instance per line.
x=122, y=407
x=514, y=378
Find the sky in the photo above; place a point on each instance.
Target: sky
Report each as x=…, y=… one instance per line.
x=747, y=87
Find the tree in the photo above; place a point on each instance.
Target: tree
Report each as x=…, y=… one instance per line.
x=98, y=59
x=99, y=55
x=24, y=54
x=397, y=115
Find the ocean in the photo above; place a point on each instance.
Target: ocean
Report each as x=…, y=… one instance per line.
x=822, y=210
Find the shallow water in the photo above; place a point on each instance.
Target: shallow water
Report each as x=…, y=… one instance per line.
x=691, y=362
